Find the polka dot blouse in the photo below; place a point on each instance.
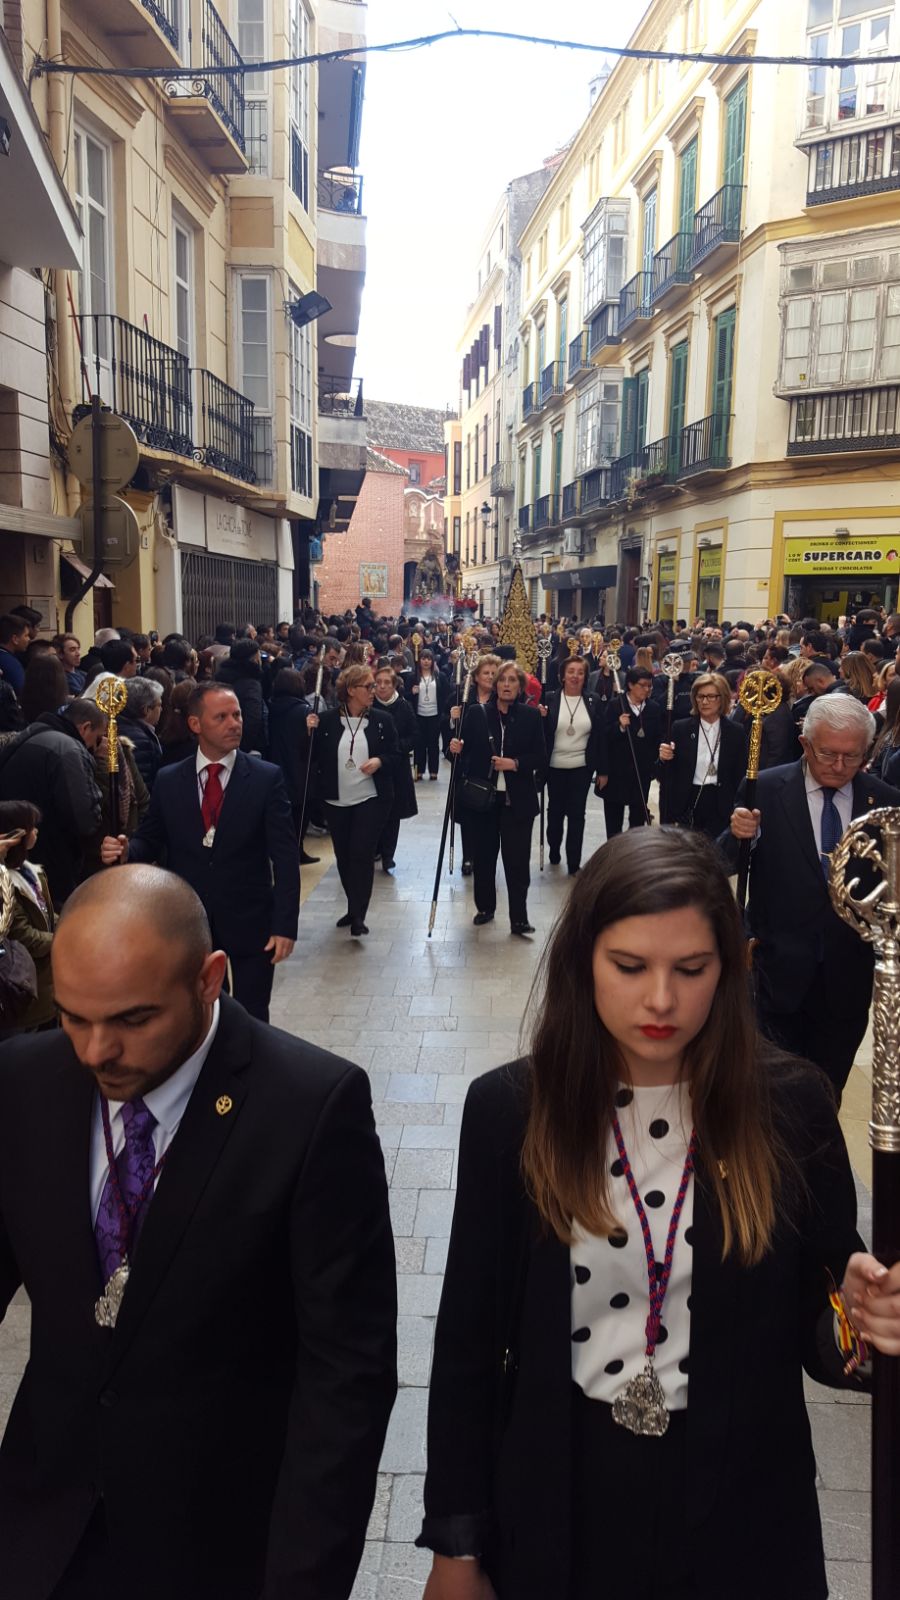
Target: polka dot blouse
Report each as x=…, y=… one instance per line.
x=610, y=1295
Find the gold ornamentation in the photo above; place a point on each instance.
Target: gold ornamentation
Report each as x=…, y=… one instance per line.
x=516, y=624
x=111, y=698
x=760, y=695
x=224, y=1104
x=574, y=648
x=596, y=643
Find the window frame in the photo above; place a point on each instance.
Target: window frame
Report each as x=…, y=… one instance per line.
x=830, y=37
x=884, y=287
x=85, y=204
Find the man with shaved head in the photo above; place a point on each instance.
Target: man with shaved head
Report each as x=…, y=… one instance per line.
x=196, y=1206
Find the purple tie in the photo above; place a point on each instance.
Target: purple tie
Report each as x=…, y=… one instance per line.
x=114, y=1234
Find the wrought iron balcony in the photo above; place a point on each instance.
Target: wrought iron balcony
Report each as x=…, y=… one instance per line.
x=853, y=164
x=672, y=266
x=263, y=450
x=604, y=328
x=524, y=519
x=571, y=500
x=641, y=469
x=145, y=381
x=340, y=191
x=546, y=512
x=854, y=419
x=256, y=137
x=340, y=397
x=553, y=381
x=213, y=109
x=147, y=32
x=223, y=427
x=528, y=400
x=579, y=357
x=704, y=446
x=503, y=478
x=718, y=222
x=595, y=488
x=634, y=301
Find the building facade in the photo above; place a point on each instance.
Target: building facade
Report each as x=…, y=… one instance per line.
x=209, y=209
x=707, y=421
x=369, y=559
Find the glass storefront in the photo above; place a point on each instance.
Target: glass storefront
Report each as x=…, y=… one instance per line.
x=666, y=579
x=709, y=584
x=833, y=577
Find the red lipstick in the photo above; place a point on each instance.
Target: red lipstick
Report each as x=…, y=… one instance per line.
x=658, y=1033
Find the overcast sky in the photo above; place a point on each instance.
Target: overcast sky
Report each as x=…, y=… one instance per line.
x=444, y=130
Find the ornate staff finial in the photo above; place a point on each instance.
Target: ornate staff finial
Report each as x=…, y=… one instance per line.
x=111, y=698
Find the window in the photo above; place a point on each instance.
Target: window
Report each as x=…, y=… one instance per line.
x=847, y=28
x=526, y=362
x=468, y=461
x=484, y=449
x=251, y=43
x=299, y=105
x=475, y=452
x=183, y=289
x=415, y=472
x=678, y=360
x=536, y=461
x=457, y=524
x=523, y=479
x=457, y=466
x=565, y=212
x=301, y=406
x=497, y=432
x=468, y=550
x=541, y=349
x=605, y=252
x=723, y=379
x=648, y=231
x=562, y=321
x=652, y=87
x=254, y=369
x=542, y=253
x=687, y=187
x=92, y=204
x=840, y=321
x=597, y=424
x=735, y=135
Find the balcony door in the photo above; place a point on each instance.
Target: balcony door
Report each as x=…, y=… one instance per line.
x=687, y=198
x=678, y=360
x=93, y=205
x=557, y=468
x=648, y=231
x=723, y=374
x=642, y=408
x=735, y=137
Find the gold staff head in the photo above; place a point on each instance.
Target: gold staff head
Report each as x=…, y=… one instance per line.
x=596, y=643
x=574, y=647
x=760, y=695
x=112, y=696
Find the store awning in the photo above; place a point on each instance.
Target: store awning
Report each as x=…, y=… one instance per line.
x=581, y=578
x=84, y=571
x=45, y=231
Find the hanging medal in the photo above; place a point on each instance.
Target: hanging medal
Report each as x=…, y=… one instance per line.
x=712, y=751
x=570, y=731
x=107, y=1308
x=641, y=1407
x=349, y=763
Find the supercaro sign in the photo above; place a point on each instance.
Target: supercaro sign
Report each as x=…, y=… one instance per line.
x=854, y=555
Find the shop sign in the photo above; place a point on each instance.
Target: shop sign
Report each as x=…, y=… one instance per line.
x=804, y=557
x=222, y=528
x=666, y=569
x=710, y=564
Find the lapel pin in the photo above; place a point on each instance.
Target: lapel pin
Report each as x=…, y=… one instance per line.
x=870, y=799
x=224, y=1104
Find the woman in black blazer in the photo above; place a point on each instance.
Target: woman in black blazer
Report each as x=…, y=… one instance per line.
x=705, y=760
x=503, y=743
x=584, y=1439
x=575, y=738
x=356, y=751
x=430, y=697
x=389, y=699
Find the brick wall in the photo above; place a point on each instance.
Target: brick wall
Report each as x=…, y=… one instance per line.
x=11, y=22
x=375, y=534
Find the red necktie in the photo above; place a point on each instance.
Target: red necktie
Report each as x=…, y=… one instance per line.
x=213, y=795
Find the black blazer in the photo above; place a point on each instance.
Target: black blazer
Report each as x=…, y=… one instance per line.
x=677, y=776
x=239, y=1406
x=500, y=1451
x=622, y=781
x=446, y=693
x=596, y=759
x=789, y=911
x=405, y=804
x=524, y=742
x=249, y=881
x=381, y=740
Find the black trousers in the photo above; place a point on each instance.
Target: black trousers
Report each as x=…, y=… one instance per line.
x=500, y=832
x=567, y=792
x=615, y=812
x=89, y=1575
x=355, y=831
x=816, y=1033
x=387, y=844
x=709, y=810
x=428, y=743
x=251, y=982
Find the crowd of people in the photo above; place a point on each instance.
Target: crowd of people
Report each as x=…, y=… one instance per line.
x=230, y=1341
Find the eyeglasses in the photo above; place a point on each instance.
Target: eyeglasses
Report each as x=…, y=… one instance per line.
x=711, y=696
x=831, y=758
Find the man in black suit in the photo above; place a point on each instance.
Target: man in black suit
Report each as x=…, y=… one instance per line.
x=813, y=973
x=633, y=730
x=220, y=1439
x=223, y=821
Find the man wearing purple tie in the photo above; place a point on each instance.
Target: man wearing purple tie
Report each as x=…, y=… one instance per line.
x=196, y=1206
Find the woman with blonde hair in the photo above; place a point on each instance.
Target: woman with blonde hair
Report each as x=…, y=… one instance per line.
x=704, y=761
x=653, y=1207
x=858, y=675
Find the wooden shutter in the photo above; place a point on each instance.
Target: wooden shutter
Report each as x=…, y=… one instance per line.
x=498, y=327
x=629, y=416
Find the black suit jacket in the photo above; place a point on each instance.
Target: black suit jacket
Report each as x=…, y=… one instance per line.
x=677, y=777
x=596, y=758
x=789, y=910
x=249, y=881
x=233, y=1419
x=523, y=742
x=381, y=740
x=500, y=1451
x=623, y=784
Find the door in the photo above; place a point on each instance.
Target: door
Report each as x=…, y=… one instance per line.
x=723, y=372
x=536, y=468
x=733, y=159
x=95, y=294
x=687, y=202
x=562, y=346
x=648, y=231
x=642, y=406
x=677, y=390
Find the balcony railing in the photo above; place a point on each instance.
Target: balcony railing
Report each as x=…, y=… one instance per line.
x=340, y=397
x=165, y=14
x=546, y=511
x=853, y=164
x=634, y=300
x=225, y=92
x=855, y=419
x=579, y=358
x=528, y=399
x=643, y=468
x=595, y=488
x=503, y=479
x=571, y=499
x=704, y=445
x=256, y=135
x=718, y=222
x=263, y=450
x=672, y=265
x=340, y=191
x=524, y=519
x=142, y=379
x=604, y=328
x=223, y=427
x=553, y=381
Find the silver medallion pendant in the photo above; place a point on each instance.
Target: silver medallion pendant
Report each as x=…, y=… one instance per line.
x=640, y=733
x=350, y=763
x=641, y=1407
x=570, y=732
x=109, y=1305
x=711, y=770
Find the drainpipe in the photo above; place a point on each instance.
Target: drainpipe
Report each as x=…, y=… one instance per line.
x=56, y=92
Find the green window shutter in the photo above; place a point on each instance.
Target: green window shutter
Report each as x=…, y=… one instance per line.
x=687, y=188
x=723, y=373
x=678, y=359
x=642, y=407
x=648, y=243
x=629, y=416
x=557, y=462
x=537, y=473
x=563, y=350
x=735, y=134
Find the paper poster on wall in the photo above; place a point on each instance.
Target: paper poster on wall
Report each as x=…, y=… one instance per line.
x=373, y=579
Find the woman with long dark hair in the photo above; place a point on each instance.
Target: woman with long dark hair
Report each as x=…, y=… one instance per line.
x=575, y=736
x=480, y=691
x=388, y=698
x=704, y=761
x=46, y=686
x=652, y=1210
x=430, y=696
x=885, y=761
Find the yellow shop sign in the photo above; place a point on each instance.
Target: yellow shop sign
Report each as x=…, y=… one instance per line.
x=804, y=557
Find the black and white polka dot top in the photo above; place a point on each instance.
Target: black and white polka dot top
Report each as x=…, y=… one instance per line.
x=610, y=1296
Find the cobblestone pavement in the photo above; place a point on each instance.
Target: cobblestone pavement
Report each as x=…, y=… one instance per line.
x=424, y=1017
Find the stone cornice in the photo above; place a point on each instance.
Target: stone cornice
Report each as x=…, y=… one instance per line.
x=111, y=91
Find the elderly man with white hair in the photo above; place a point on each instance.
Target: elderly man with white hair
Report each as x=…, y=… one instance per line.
x=813, y=974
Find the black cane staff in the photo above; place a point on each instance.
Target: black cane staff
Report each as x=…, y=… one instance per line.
x=673, y=666
x=111, y=697
x=760, y=694
x=449, y=806
x=870, y=903
x=544, y=648
x=459, y=668
x=312, y=734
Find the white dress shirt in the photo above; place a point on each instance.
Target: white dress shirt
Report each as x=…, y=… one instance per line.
x=167, y=1103
x=570, y=749
x=843, y=799
x=709, y=736
x=426, y=699
x=225, y=762
x=353, y=786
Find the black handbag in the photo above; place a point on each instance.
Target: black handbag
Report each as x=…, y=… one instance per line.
x=477, y=794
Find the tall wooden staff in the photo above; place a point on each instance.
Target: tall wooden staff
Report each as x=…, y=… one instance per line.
x=673, y=667
x=458, y=676
x=470, y=668
x=312, y=735
x=875, y=916
x=111, y=697
x=544, y=650
x=760, y=694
